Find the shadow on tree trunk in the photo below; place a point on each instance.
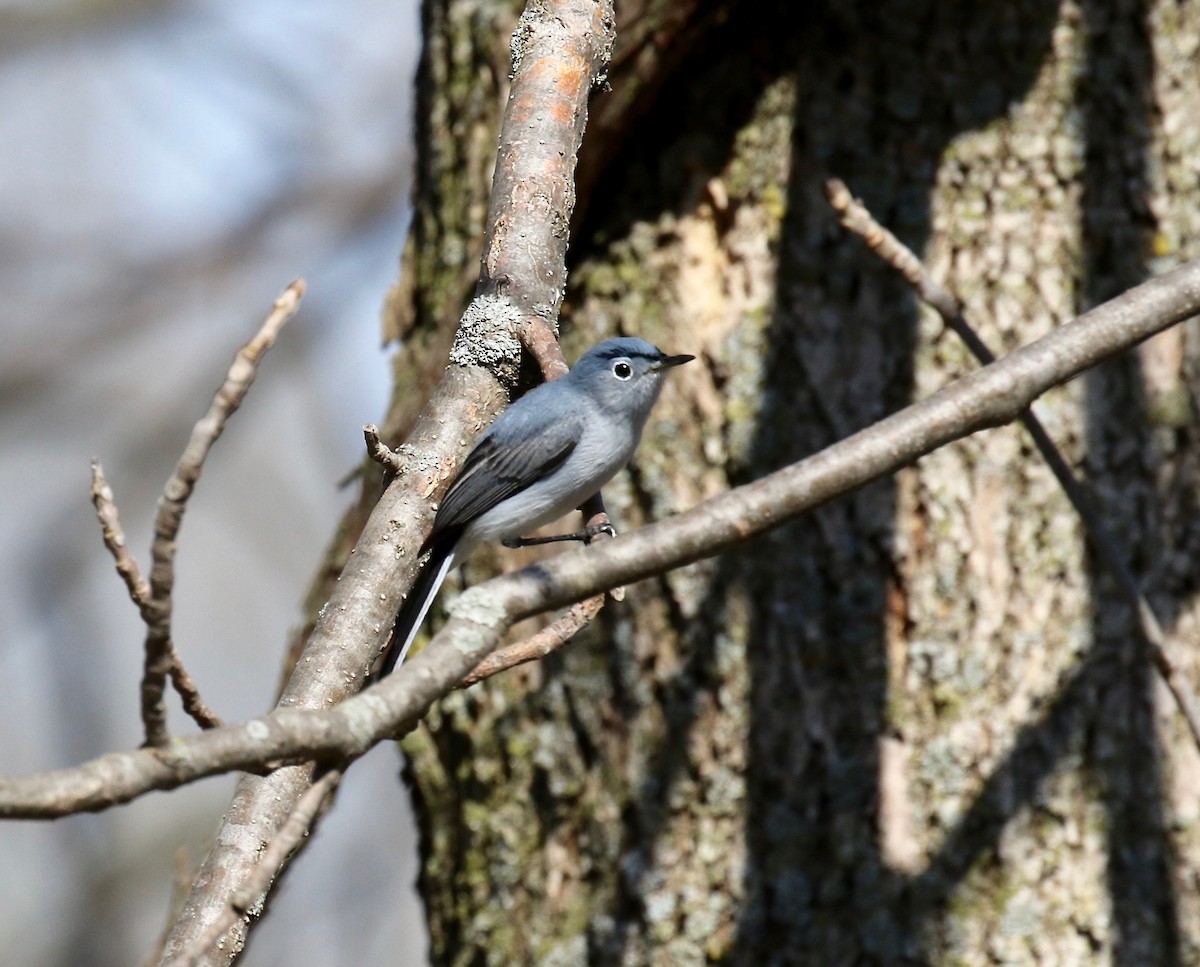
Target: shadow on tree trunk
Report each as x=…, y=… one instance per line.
x=1029, y=744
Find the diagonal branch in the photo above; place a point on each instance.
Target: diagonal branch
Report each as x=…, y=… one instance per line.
x=248, y=901
x=545, y=642
x=114, y=539
x=560, y=54
x=989, y=397
x=1163, y=647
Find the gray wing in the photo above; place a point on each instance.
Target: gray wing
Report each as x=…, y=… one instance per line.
x=526, y=444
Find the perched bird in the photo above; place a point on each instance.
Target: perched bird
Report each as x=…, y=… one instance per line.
x=543, y=457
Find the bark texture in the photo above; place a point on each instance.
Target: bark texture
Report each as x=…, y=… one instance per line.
x=915, y=727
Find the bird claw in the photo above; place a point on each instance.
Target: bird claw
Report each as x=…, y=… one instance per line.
x=595, y=530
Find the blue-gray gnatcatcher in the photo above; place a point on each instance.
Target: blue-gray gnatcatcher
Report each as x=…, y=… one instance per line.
x=544, y=456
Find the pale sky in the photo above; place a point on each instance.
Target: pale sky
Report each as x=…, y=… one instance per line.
x=165, y=169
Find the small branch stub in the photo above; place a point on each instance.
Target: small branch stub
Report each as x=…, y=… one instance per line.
x=379, y=451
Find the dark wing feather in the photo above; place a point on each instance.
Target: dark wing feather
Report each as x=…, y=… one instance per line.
x=495, y=471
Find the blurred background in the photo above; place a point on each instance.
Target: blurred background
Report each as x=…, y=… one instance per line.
x=167, y=168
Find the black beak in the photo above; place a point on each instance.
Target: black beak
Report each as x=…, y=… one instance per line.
x=666, y=362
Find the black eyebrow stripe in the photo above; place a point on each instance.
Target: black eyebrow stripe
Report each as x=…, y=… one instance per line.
x=629, y=354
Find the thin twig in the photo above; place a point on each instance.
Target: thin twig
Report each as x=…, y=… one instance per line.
x=189, y=694
x=562, y=629
x=539, y=645
x=161, y=657
x=245, y=901
x=139, y=591
x=343, y=731
x=566, y=626
x=114, y=539
x=855, y=217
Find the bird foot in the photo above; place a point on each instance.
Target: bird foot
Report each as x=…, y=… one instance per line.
x=585, y=535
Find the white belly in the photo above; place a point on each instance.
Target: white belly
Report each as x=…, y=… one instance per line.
x=590, y=466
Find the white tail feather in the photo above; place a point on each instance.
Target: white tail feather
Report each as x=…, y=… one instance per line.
x=416, y=606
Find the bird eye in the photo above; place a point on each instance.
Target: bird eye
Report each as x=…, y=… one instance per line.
x=622, y=369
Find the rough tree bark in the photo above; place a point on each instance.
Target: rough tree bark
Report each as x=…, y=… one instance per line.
x=916, y=726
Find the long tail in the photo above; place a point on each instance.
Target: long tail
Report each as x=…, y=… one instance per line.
x=416, y=605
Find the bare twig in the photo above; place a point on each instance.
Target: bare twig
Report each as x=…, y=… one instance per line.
x=855, y=216
x=539, y=645
x=245, y=902
x=114, y=539
x=566, y=626
x=139, y=591
x=189, y=694
x=988, y=397
x=161, y=657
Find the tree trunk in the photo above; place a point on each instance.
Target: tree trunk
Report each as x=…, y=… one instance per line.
x=915, y=726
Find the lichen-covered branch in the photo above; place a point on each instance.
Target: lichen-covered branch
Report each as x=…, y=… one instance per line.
x=989, y=397
x=560, y=55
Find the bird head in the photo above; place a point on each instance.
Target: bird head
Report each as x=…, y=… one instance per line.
x=625, y=374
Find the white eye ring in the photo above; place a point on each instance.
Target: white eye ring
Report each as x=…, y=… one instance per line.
x=622, y=370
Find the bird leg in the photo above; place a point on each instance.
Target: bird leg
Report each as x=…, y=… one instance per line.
x=585, y=535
